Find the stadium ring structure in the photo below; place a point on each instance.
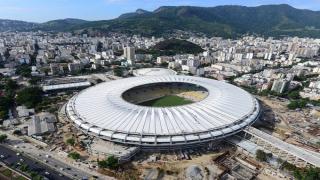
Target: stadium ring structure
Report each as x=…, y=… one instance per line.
x=153, y=72
x=103, y=111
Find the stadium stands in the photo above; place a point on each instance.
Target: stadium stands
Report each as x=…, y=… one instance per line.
x=150, y=92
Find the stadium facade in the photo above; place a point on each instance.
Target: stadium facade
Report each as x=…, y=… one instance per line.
x=112, y=111
x=154, y=72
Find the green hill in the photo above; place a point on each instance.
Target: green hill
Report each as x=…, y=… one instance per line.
x=173, y=47
x=178, y=47
x=226, y=21
x=60, y=24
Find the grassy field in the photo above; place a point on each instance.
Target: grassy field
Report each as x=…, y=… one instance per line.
x=7, y=174
x=166, y=101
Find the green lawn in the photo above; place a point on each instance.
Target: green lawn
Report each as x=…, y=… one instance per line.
x=167, y=101
x=7, y=172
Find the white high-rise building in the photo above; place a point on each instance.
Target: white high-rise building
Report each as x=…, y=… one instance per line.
x=280, y=85
x=129, y=54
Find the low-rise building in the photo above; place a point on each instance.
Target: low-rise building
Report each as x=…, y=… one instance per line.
x=42, y=123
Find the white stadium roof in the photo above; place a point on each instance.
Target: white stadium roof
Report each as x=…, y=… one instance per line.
x=65, y=86
x=154, y=72
x=102, y=111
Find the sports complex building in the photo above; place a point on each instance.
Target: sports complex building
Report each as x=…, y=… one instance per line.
x=153, y=72
x=161, y=112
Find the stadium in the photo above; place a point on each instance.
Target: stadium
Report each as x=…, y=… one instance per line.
x=161, y=112
x=153, y=72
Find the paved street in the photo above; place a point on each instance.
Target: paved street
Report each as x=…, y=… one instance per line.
x=73, y=171
x=308, y=156
x=10, y=157
x=50, y=159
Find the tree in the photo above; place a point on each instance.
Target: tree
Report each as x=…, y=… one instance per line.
x=74, y=155
x=301, y=103
x=3, y=138
x=3, y=114
x=164, y=64
x=34, y=80
x=293, y=105
x=103, y=164
x=309, y=173
x=10, y=85
x=118, y=71
x=24, y=70
x=297, y=174
x=24, y=167
x=262, y=156
x=99, y=46
x=5, y=103
x=17, y=132
x=35, y=176
x=71, y=141
x=30, y=96
x=294, y=95
x=111, y=162
x=7, y=53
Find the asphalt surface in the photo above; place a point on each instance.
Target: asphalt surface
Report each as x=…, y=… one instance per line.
x=11, y=158
x=45, y=157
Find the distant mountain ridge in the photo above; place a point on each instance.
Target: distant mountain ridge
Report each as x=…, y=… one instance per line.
x=54, y=25
x=133, y=14
x=60, y=24
x=226, y=21
x=14, y=25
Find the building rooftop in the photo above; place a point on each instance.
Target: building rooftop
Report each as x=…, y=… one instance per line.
x=154, y=72
x=42, y=123
x=65, y=86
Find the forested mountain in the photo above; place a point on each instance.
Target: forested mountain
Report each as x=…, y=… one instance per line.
x=227, y=21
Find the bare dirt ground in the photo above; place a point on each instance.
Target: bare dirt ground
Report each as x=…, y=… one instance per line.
x=293, y=126
x=268, y=174
x=167, y=167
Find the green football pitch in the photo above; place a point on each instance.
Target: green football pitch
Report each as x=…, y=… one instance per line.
x=167, y=101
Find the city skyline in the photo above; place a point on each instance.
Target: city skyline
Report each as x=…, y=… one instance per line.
x=42, y=11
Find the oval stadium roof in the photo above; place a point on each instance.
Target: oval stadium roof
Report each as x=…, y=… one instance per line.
x=154, y=72
x=102, y=111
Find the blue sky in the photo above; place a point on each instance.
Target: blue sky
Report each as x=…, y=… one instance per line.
x=44, y=10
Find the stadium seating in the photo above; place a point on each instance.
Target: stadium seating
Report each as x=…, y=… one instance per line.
x=154, y=91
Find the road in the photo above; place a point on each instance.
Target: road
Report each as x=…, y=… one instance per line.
x=305, y=155
x=10, y=157
x=47, y=158
x=73, y=171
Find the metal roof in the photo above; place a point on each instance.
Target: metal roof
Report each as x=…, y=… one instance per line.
x=101, y=110
x=65, y=86
x=154, y=72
